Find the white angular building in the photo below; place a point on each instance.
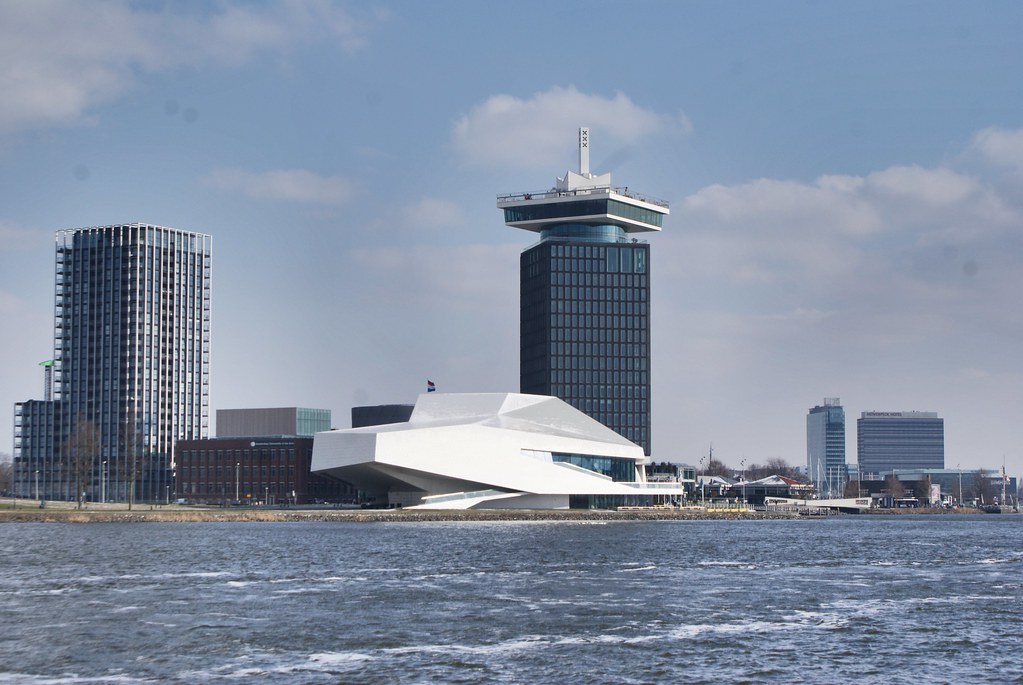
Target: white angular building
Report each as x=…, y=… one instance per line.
x=495, y=450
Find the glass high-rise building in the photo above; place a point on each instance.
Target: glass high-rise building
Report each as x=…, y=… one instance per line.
x=585, y=296
x=889, y=440
x=131, y=359
x=825, y=447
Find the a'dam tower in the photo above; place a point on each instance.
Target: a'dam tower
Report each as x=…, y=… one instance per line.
x=584, y=308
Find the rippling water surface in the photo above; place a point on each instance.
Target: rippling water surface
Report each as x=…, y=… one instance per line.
x=851, y=599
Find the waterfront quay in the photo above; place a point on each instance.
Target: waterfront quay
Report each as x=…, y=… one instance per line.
x=64, y=512
x=27, y=511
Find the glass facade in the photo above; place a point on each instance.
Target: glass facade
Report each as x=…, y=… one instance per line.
x=825, y=448
x=578, y=208
x=615, y=468
x=131, y=356
x=899, y=440
x=311, y=421
x=585, y=326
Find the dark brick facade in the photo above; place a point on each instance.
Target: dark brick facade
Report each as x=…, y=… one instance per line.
x=274, y=470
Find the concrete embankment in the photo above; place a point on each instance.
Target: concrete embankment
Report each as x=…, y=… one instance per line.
x=173, y=515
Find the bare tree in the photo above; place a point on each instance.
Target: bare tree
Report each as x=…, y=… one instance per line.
x=6, y=473
x=894, y=486
x=781, y=467
x=982, y=488
x=82, y=447
x=716, y=467
x=922, y=489
x=130, y=450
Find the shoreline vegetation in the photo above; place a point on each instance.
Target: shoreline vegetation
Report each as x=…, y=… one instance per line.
x=62, y=512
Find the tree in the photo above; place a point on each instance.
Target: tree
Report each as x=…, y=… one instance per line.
x=922, y=489
x=780, y=467
x=82, y=447
x=716, y=467
x=130, y=439
x=893, y=486
x=6, y=473
x=982, y=488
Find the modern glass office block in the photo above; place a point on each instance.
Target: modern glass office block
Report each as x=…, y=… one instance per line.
x=887, y=441
x=825, y=447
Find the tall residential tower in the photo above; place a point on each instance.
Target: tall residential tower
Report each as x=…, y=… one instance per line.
x=584, y=303
x=131, y=362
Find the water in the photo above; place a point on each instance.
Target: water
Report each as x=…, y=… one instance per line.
x=851, y=599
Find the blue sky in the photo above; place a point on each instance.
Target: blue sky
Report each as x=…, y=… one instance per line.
x=845, y=179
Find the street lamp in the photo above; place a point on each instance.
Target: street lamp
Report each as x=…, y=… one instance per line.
x=237, y=481
x=958, y=466
x=742, y=465
x=701, y=479
x=37, y=483
x=103, y=482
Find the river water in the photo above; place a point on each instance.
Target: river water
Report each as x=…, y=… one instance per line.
x=846, y=599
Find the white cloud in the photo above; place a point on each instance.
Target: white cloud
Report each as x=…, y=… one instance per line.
x=59, y=59
x=462, y=276
x=832, y=203
x=432, y=211
x=926, y=187
x=1000, y=146
x=540, y=131
x=291, y=185
x=855, y=281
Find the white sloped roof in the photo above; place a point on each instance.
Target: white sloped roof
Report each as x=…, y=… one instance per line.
x=480, y=441
x=511, y=411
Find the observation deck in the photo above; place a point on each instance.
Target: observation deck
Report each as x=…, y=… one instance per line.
x=583, y=198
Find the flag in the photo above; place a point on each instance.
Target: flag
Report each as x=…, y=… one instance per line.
x=430, y=387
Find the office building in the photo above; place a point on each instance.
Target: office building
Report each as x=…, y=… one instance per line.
x=259, y=456
x=886, y=441
x=825, y=447
x=491, y=450
x=297, y=421
x=130, y=369
x=584, y=308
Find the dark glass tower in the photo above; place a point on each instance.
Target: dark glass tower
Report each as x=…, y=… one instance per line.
x=585, y=296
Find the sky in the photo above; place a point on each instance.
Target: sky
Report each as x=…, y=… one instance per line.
x=845, y=182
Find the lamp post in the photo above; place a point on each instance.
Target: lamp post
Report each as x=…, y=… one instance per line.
x=103, y=482
x=237, y=481
x=37, y=483
x=701, y=480
x=959, y=466
x=742, y=466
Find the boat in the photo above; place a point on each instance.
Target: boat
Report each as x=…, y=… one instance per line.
x=1004, y=505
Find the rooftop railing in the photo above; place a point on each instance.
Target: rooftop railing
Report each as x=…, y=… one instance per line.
x=598, y=190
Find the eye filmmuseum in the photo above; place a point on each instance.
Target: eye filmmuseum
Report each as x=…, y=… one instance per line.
x=490, y=451
x=585, y=296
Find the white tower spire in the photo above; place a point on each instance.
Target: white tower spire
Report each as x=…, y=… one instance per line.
x=584, y=151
